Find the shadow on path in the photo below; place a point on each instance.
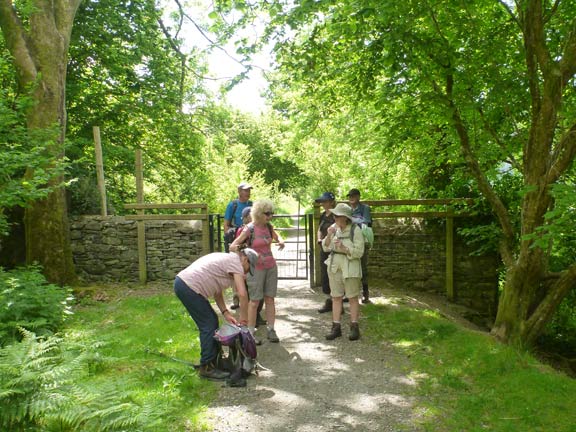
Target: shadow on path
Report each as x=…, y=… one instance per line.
x=316, y=385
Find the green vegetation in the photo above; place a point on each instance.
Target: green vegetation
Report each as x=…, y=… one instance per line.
x=438, y=99
x=28, y=302
x=467, y=381
x=102, y=370
x=134, y=331
x=112, y=367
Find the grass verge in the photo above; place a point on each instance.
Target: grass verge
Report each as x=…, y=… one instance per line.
x=133, y=331
x=466, y=381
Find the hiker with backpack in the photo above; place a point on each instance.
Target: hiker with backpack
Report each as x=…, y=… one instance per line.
x=362, y=215
x=233, y=213
x=263, y=284
x=207, y=278
x=233, y=221
x=344, y=269
x=328, y=201
x=246, y=219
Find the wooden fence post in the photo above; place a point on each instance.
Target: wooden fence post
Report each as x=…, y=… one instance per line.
x=317, y=275
x=205, y=231
x=142, y=271
x=100, y=170
x=450, y=255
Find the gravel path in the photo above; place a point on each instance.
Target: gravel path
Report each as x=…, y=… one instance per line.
x=316, y=385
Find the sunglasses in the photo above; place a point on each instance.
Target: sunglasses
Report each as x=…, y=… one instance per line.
x=269, y=213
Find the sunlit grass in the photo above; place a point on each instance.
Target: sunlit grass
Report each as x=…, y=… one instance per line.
x=466, y=381
x=133, y=331
x=469, y=382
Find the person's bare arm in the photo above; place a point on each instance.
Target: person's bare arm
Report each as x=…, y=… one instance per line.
x=240, y=284
x=227, y=224
x=278, y=239
x=241, y=239
x=219, y=298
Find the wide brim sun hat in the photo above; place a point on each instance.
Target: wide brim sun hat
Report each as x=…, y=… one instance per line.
x=343, y=210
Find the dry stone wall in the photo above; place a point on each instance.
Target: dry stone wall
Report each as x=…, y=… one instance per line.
x=407, y=254
x=106, y=248
x=411, y=254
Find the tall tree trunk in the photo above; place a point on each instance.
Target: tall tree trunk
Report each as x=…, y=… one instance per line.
x=40, y=52
x=529, y=300
x=517, y=302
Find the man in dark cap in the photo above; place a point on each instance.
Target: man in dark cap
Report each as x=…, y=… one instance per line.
x=328, y=201
x=361, y=214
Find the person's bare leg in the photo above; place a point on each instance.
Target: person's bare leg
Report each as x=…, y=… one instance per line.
x=252, y=312
x=354, y=309
x=270, y=310
x=354, y=315
x=336, y=309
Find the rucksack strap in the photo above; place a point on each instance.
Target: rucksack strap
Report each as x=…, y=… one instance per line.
x=251, y=236
x=234, y=208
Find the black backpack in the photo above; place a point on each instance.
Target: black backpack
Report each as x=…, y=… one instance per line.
x=241, y=359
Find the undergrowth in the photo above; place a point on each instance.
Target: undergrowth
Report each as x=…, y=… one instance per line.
x=100, y=373
x=28, y=301
x=466, y=381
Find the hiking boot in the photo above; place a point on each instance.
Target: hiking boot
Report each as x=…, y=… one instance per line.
x=327, y=306
x=335, y=332
x=235, y=302
x=272, y=336
x=354, y=332
x=365, y=295
x=209, y=372
x=260, y=321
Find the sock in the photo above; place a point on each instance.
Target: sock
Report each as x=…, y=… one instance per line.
x=252, y=330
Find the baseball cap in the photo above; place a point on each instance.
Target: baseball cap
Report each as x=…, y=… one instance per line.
x=252, y=256
x=326, y=196
x=244, y=185
x=246, y=212
x=353, y=192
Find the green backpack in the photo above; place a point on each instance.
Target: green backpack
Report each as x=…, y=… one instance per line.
x=367, y=233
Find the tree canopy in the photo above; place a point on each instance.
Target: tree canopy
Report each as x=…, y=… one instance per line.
x=401, y=99
x=480, y=93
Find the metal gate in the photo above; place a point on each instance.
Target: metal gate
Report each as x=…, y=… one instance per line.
x=296, y=261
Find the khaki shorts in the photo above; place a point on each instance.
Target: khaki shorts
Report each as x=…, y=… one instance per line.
x=339, y=286
x=262, y=283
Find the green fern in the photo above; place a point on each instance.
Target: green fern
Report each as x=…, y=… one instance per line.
x=27, y=300
x=39, y=388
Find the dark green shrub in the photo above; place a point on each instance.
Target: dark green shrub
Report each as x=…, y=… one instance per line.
x=560, y=334
x=28, y=301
